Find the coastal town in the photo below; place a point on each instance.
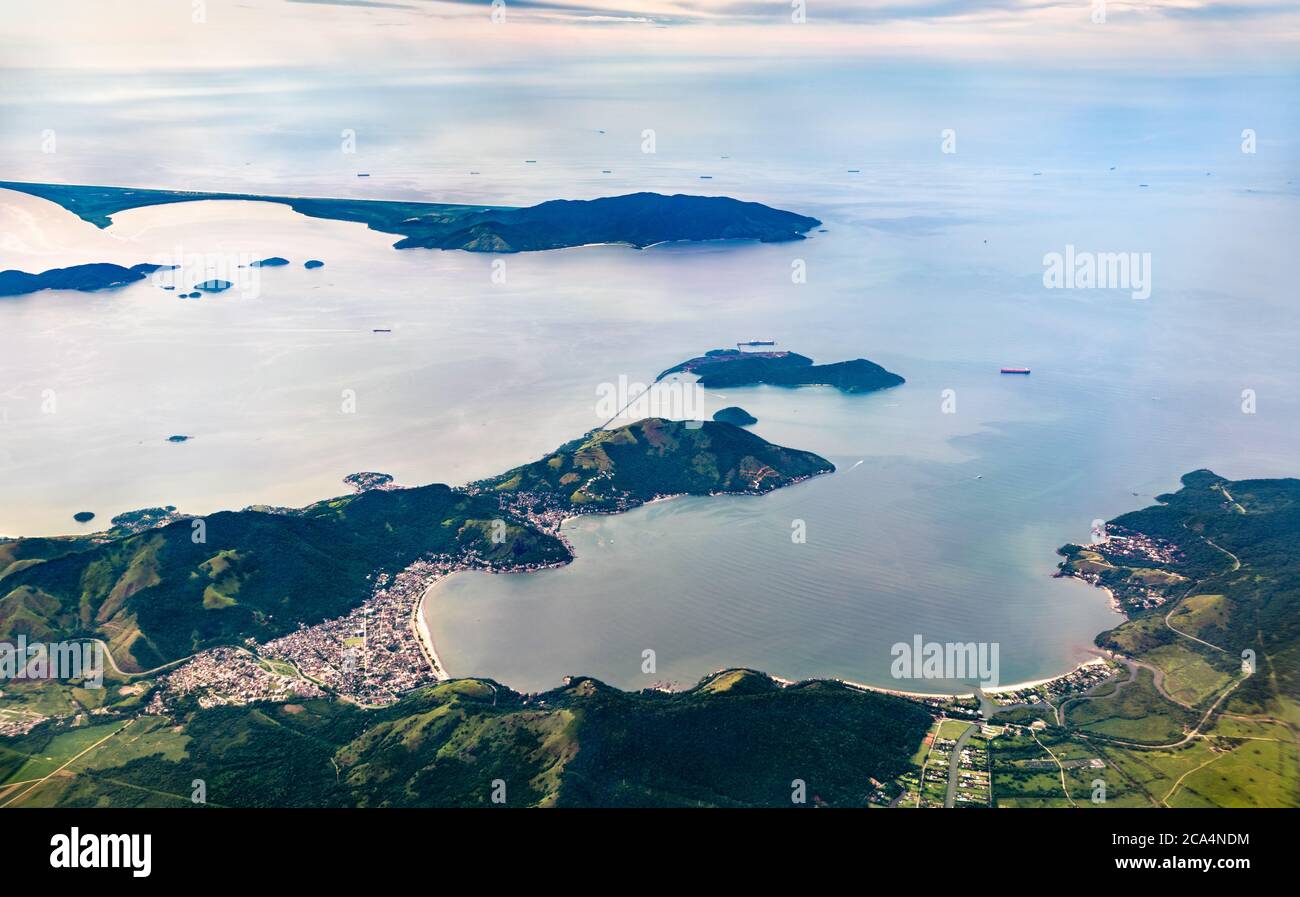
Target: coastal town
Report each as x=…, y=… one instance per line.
x=371, y=655
x=1131, y=566
x=228, y=676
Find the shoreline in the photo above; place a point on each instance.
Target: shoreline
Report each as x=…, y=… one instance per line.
x=424, y=636
x=420, y=627
x=933, y=696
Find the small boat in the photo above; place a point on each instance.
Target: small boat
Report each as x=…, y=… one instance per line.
x=1015, y=370
x=363, y=174
x=706, y=177
x=382, y=330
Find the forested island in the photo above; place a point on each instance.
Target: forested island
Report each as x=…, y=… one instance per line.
x=726, y=368
x=734, y=415
x=83, y=278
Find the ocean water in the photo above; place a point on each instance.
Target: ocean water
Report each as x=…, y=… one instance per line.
x=935, y=524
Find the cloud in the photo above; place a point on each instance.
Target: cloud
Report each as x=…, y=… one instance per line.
x=1227, y=12
x=376, y=4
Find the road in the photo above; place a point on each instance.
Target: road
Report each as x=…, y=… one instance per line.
x=116, y=669
x=46, y=778
x=1065, y=788
x=954, y=764
x=1195, y=733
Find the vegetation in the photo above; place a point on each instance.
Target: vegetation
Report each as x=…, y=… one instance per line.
x=619, y=468
x=1191, y=726
x=1185, y=728
x=584, y=744
x=734, y=415
x=1239, y=590
x=98, y=276
x=638, y=219
x=729, y=368
x=161, y=594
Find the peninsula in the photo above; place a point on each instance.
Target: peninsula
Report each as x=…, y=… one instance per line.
x=635, y=219
x=158, y=593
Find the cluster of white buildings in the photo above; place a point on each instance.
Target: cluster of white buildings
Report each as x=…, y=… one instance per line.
x=228, y=676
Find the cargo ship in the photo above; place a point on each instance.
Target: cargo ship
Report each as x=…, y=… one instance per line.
x=757, y=342
x=1015, y=370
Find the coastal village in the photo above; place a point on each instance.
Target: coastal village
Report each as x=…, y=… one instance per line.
x=1132, y=566
x=1079, y=680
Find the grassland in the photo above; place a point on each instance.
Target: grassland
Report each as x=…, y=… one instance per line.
x=1221, y=733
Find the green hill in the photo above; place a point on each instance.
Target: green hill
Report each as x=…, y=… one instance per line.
x=159, y=595
x=1210, y=577
x=736, y=739
x=623, y=467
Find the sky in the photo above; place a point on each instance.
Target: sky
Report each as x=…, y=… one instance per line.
x=257, y=94
x=418, y=35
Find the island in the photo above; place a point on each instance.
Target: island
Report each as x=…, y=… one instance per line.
x=635, y=219
x=84, y=516
x=214, y=286
x=727, y=368
x=274, y=261
x=313, y=263
x=734, y=415
x=179, y=438
x=83, y=278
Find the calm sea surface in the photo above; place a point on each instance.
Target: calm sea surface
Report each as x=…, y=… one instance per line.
x=942, y=525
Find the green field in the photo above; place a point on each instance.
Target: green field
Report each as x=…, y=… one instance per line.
x=1137, y=712
x=35, y=760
